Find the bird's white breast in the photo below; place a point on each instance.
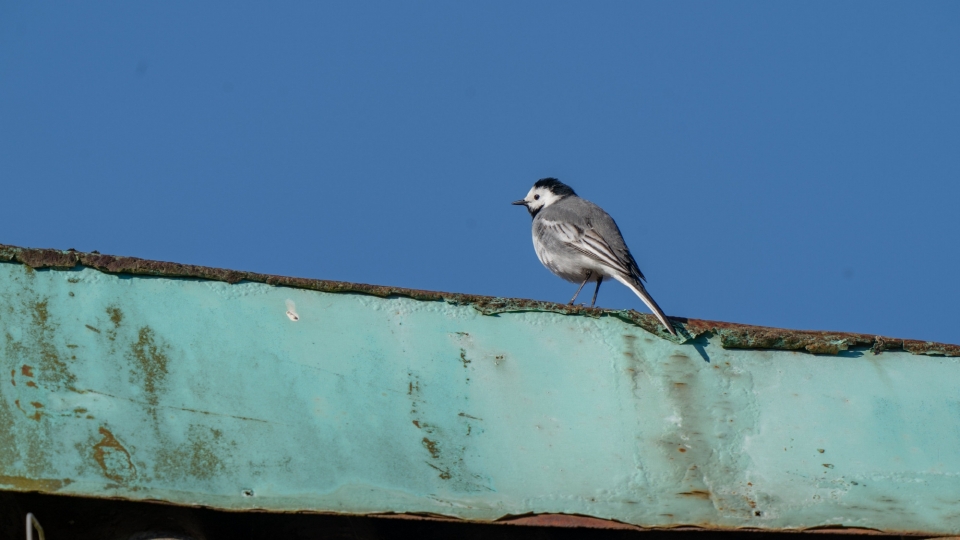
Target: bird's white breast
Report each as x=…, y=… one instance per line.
x=565, y=263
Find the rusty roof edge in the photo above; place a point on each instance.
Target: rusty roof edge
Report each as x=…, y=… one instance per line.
x=732, y=335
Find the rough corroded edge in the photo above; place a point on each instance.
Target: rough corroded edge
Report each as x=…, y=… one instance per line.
x=732, y=336
x=557, y=520
x=580, y=521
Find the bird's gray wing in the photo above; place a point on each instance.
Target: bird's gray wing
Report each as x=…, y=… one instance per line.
x=588, y=229
x=585, y=241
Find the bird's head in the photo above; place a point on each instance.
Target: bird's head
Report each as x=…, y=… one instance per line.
x=544, y=193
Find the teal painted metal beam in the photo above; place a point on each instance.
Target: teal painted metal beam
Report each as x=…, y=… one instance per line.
x=203, y=392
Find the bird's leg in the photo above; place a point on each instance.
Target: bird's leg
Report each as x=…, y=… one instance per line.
x=595, y=291
x=585, y=280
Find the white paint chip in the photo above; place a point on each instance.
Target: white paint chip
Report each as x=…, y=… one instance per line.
x=292, y=311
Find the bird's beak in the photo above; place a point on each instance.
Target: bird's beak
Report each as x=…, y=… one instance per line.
x=521, y=201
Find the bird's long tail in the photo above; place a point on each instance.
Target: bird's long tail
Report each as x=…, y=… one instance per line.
x=637, y=287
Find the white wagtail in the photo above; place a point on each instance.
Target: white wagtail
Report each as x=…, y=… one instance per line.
x=576, y=240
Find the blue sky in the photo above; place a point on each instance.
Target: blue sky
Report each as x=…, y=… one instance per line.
x=790, y=164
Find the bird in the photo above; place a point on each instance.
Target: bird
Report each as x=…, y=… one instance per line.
x=579, y=242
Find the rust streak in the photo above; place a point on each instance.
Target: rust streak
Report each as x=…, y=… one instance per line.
x=444, y=474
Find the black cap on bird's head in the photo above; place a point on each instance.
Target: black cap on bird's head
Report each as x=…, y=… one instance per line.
x=544, y=193
x=555, y=186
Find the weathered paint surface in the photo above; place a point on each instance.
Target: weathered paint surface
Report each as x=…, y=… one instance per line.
x=197, y=391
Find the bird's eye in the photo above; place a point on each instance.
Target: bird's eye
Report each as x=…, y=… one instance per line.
x=536, y=197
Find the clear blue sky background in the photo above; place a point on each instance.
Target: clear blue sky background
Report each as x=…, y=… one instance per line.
x=789, y=164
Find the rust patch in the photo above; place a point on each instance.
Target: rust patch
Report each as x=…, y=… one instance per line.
x=52, y=369
x=41, y=313
x=26, y=370
x=37, y=404
x=566, y=521
x=735, y=336
x=116, y=316
x=742, y=336
x=113, y=459
x=199, y=457
x=152, y=363
x=463, y=358
x=21, y=483
x=879, y=344
x=46, y=258
x=31, y=384
x=431, y=447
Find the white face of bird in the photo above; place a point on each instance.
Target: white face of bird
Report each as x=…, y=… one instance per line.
x=538, y=198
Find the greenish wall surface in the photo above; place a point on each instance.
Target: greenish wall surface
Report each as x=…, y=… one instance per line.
x=204, y=392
